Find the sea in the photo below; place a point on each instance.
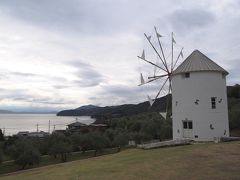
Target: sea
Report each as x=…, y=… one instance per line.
x=13, y=123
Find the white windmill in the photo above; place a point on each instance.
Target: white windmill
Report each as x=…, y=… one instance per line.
x=198, y=88
x=163, y=67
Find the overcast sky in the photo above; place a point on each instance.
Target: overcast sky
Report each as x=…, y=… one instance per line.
x=57, y=54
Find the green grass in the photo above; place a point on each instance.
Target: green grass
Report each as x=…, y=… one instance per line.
x=200, y=161
x=9, y=167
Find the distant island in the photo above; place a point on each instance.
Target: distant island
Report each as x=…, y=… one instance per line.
x=103, y=113
x=2, y=111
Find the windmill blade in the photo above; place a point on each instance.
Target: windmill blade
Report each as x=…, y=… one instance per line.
x=159, y=42
x=150, y=100
x=142, y=81
x=161, y=88
x=143, y=55
x=173, y=40
x=151, y=63
x=172, y=52
x=156, y=51
x=149, y=38
x=148, y=81
x=153, y=79
x=168, y=97
x=163, y=114
x=180, y=54
x=170, y=85
x=154, y=70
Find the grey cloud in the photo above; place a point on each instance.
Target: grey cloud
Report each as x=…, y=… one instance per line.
x=32, y=75
x=126, y=94
x=23, y=95
x=86, y=73
x=82, y=16
x=184, y=20
x=23, y=74
x=48, y=101
x=233, y=77
x=60, y=86
x=14, y=93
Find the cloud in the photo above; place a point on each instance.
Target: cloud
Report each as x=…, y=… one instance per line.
x=95, y=17
x=87, y=75
x=186, y=20
x=24, y=96
x=60, y=86
x=121, y=94
x=39, y=37
x=233, y=76
x=23, y=74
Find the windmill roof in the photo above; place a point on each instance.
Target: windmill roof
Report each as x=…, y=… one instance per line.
x=76, y=124
x=197, y=61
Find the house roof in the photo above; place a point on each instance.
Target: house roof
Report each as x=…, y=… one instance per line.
x=197, y=61
x=98, y=125
x=76, y=124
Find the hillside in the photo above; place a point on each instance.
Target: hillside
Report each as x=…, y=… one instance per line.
x=199, y=161
x=117, y=111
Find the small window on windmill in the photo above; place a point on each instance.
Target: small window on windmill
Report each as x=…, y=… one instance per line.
x=187, y=75
x=185, y=125
x=213, y=102
x=189, y=124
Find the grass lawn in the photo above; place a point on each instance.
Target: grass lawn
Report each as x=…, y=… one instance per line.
x=8, y=167
x=199, y=161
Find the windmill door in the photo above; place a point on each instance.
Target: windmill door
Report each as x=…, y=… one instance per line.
x=187, y=129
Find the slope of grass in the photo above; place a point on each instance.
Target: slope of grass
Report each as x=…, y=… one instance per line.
x=10, y=166
x=199, y=161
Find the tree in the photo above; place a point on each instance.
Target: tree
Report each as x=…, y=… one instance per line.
x=121, y=140
x=234, y=91
x=1, y=157
x=24, y=153
x=60, y=145
x=97, y=141
x=1, y=135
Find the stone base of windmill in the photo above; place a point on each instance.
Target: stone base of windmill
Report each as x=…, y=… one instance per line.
x=180, y=142
x=165, y=144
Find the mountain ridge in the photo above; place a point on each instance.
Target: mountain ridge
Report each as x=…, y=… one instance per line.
x=103, y=113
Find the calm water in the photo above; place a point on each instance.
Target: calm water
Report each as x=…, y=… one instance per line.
x=12, y=123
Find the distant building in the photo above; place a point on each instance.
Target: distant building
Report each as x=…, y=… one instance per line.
x=32, y=134
x=199, y=99
x=22, y=133
x=38, y=134
x=76, y=126
x=80, y=127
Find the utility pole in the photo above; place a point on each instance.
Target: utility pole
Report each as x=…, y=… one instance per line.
x=49, y=126
x=37, y=128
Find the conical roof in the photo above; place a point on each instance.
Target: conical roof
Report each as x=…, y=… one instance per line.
x=197, y=61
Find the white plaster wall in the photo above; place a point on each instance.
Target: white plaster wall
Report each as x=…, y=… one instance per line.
x=202, y=86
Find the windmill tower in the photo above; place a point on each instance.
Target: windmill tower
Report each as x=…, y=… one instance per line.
x=199, y=99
